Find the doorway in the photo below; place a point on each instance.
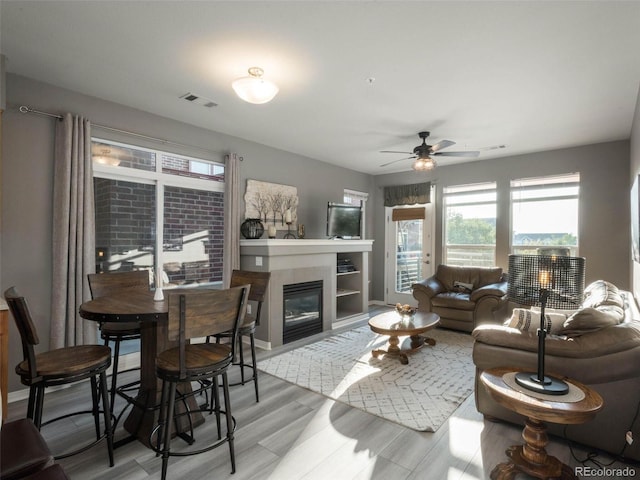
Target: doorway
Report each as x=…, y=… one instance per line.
x=409, y=245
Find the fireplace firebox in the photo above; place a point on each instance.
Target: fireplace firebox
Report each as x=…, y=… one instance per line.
x=302, y=310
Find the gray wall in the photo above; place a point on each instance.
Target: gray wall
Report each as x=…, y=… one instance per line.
x=604, y=203
x=25, y=252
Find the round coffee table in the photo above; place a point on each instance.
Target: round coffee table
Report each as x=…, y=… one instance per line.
x=531, y=458
x=390, y=323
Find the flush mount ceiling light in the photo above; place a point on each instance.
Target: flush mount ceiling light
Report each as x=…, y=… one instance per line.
x=254, y=88
x=424, y=163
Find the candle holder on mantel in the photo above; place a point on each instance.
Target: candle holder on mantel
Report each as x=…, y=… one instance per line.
x=289, y=234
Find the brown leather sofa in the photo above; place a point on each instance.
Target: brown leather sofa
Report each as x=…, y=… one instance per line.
x=464, y=297
x=601, y=353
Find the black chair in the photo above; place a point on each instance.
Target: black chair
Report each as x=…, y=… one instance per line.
x=259, y=282
x=24, y=454
x=109, y=284
x=196, y=314
x=61, y=366
x=23, y=451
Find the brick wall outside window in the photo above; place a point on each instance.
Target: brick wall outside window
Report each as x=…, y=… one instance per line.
x=194, y=218
x=193, y=230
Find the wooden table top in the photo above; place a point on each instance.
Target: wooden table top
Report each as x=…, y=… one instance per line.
x=546, y=410
x=390, y=323
x=131, y=307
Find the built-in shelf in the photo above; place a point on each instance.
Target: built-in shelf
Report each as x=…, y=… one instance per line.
x=343, y=292
x=351, y=299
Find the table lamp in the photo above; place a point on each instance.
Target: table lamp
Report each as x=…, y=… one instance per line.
x=545, y=281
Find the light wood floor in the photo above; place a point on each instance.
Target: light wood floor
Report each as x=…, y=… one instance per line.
x=297, y=434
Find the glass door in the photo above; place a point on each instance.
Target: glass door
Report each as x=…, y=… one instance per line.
x=409, y=246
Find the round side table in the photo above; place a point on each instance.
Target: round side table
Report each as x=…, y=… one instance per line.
x=531, y=458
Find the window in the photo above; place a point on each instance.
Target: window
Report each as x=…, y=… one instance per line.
x=544, y=214
x=470, y=224
x=160, y=212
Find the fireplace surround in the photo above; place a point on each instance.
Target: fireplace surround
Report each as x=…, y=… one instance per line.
x=293, y=261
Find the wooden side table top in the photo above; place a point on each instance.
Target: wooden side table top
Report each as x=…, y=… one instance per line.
x=389, y=323
x=553, y=410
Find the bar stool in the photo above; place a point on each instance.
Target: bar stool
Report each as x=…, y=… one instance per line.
x=109, y=284
x=259, y=282
x=61, y=366
x=195, y=314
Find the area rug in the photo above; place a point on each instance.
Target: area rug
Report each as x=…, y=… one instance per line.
x=421, y=395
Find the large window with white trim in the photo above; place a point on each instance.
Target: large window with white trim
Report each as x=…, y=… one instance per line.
x=470, y=224
x=544, y=215
x=160, y=212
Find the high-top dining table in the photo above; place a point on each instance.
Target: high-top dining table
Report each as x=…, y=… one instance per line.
x=153, y=317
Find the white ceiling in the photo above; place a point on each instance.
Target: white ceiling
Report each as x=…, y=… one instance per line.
x=531, y=75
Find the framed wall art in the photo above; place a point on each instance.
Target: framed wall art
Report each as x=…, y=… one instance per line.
x=272, y=203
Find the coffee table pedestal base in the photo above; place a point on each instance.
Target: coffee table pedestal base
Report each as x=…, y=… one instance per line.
x=400, y=351
x=531, y=458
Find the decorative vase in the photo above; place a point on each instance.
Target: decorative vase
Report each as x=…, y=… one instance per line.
x=252, y=228
x=301, y=230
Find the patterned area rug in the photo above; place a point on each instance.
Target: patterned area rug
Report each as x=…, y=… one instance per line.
x=421, y=395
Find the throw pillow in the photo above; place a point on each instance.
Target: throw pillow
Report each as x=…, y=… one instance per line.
x=529, y=321
x=601, y=293
x=462, y=287
x=589, y=319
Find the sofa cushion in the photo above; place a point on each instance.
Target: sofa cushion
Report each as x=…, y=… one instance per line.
x=529, y=321
x=448, y=275
x=455, y=300
x=590, y=319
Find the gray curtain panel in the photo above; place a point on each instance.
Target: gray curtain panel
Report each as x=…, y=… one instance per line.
x=407, y=194
x=73, y=233
x=231, y=247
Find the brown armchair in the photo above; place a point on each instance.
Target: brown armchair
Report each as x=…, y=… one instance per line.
x=464, y=297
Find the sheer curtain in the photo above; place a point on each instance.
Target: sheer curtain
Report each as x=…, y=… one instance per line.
x=73, y=232
x=231, y=217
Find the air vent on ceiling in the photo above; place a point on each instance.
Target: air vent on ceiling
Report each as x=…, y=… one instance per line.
x=199, y=100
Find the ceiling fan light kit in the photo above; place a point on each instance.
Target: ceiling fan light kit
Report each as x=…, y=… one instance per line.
x=254, y=88
x=423, y=164
x=423, y=153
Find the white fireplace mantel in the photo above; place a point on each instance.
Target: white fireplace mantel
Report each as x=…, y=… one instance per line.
x=273, y=247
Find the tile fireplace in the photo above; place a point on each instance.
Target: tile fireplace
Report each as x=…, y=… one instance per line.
x=336, y=299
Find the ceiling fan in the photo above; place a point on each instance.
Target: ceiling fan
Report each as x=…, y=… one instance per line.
x=423, y=153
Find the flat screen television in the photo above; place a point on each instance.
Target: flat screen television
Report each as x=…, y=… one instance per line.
x=343, y=221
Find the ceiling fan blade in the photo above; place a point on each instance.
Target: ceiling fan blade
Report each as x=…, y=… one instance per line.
x=394, y=151
x=441, y=144
x=457, y=154
x=396, y=161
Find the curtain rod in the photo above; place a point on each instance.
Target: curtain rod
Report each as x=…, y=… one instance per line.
x=25, y=109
